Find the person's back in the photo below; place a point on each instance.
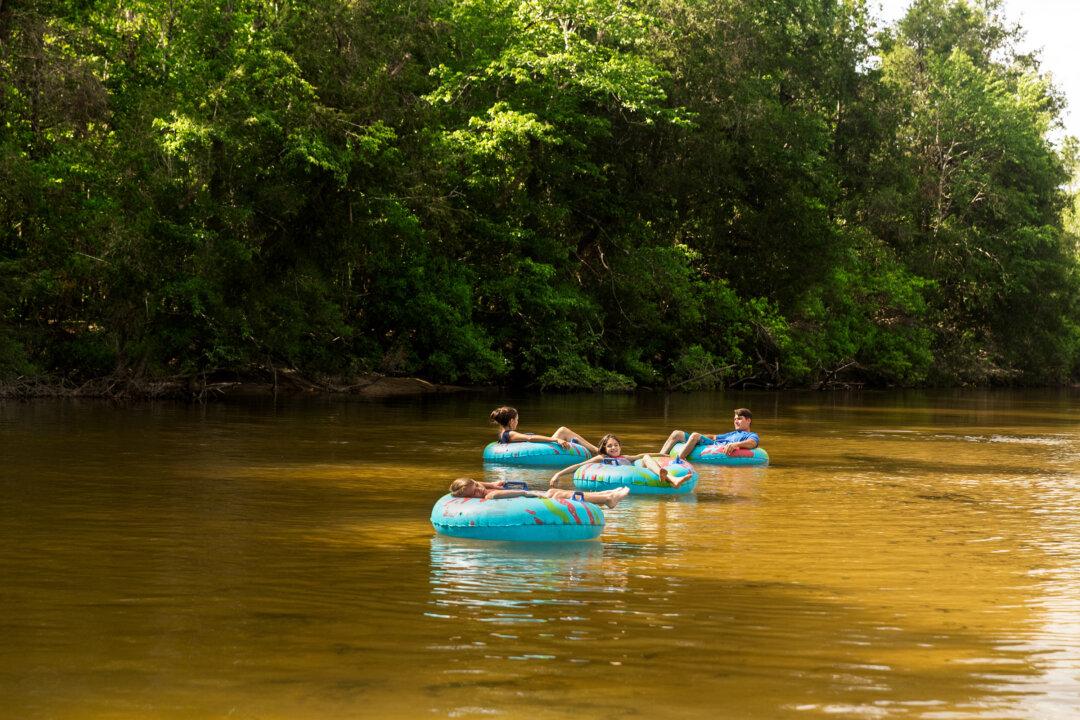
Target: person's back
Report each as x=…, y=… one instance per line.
x=507, y=419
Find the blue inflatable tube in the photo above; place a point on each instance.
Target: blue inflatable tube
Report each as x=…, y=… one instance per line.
x=529, y=519
x=637, y=477
x=713, y=455
x=535, y=454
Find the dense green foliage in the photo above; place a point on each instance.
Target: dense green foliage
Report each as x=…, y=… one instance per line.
x=567, y=194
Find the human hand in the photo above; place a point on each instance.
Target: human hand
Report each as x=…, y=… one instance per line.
x=554, y=481
x=730, y=449
x=564, y=443
x=498, y=484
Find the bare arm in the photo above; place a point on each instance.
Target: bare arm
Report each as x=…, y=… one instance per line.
x=515, y=436
x=747, y=444
x=506, y=494
x=554, y=482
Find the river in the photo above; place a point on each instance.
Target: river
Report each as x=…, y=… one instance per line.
x=905, y=555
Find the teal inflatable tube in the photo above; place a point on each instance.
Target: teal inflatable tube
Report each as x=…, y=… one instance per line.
x=713, y=455
x=521, y=519
x=535, y=454
x=640, y=480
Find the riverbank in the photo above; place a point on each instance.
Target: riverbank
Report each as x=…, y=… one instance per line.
x=225, y=385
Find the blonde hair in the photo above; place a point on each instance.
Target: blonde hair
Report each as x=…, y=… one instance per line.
x=461, y=486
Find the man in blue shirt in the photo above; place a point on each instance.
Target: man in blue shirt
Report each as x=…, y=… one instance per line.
x=739, y=438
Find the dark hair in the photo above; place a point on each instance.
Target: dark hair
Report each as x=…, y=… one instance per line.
x=602, y=445
x=743, y=412
x=503, y=415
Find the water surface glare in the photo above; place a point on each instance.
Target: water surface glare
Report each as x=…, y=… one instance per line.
x=906, y=555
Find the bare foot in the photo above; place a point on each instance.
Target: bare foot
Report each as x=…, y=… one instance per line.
x=675, y=481
x=616, y=496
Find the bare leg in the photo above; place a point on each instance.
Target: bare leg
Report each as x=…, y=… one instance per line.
x=649, y=462
x=677, y=480
x=609, y=498
x=691, y=443
x=565, y=433
x=676, y=436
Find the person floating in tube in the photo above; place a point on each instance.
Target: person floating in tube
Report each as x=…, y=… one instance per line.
x=507, y=419
x=470, y=488
x=741, y=438
x=611, y=453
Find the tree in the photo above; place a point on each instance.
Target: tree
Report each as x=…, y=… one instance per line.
x=981, y=200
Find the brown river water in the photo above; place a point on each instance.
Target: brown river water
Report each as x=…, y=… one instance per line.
x=905, y=555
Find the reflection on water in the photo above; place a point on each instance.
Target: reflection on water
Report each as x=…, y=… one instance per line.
x=906, y=555
x=502, y=582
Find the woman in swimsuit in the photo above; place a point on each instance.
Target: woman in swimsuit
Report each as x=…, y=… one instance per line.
x=507, y=419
